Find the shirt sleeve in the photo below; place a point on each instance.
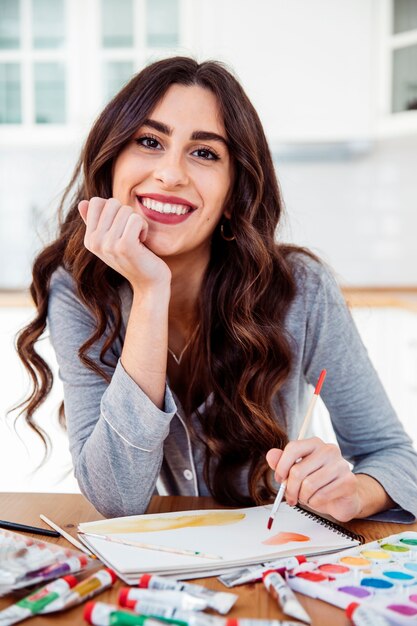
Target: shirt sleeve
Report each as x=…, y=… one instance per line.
x=116, y=433
x=367, y=428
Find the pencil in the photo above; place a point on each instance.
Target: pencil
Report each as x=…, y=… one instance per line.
x=67, y=536
x=28, y=529
x=301, y=435
x=151, y=546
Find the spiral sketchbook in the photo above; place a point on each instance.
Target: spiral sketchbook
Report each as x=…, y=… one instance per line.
x=206, y=542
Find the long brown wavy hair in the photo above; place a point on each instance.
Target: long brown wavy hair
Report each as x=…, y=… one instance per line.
x=240, y=355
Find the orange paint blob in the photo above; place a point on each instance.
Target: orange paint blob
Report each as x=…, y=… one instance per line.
x=281, y=538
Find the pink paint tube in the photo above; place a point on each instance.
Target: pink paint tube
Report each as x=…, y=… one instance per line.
x=365, y=616
x=38, y=601
x=252, y=574
x=86, y=589
x=218, y=600
x=178, y=599
x=196, y=618
x=278, y=588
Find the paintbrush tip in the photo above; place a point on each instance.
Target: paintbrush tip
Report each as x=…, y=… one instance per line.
x=270, y=522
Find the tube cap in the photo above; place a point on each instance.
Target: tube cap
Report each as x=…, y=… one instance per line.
x=112, y=574
x=123, y=598
x=351, y=608
x=144, y=581
x=71, y=580
x=88, y=610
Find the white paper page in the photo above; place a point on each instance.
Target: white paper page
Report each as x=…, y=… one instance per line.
x=240, y=541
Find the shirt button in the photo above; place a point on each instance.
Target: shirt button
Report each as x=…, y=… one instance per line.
x=188, y=474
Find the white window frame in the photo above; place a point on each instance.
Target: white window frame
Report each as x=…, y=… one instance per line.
x=388, y=123
x=84, y=58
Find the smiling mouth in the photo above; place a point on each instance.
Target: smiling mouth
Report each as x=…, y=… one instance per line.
x=165, y=207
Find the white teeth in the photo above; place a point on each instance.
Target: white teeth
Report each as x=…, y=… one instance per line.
x=164, y=207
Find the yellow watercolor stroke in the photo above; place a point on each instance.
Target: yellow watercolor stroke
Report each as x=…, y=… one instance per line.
x=154, y=524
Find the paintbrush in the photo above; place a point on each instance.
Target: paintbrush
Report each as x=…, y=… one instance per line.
x=67, y=536
x=151, y=546
x=301, y=435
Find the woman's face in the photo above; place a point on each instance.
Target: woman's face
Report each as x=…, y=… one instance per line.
x=177, y=172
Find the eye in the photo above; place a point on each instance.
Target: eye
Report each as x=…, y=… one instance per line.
x=207, y=154
x=148, y=141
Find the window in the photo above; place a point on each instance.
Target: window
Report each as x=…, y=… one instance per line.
x=132, y=33
x=115, y=75
x=405, y=15
x=60, y=60
x=33, y=62
x=48, y=20
x=49, y=93
x=162, y=23
x=9, y=24
x=404, y=56
x=404, y=88
x=117, y=23
x=10, y=98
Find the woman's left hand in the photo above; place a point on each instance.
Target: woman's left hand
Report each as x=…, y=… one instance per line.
x=317, y=475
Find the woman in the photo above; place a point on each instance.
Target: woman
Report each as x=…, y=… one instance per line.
x=185, y=335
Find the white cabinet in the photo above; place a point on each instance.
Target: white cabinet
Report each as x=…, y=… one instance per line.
x=390, y=335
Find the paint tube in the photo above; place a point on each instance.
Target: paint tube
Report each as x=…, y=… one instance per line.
x=30, y=558
x=69, y=566
x=85, y=590
x=278, y=588
x=260, y=622
x=218, y=600
x=193, y=618
x=23, y=559
x=177, y=599
x=103, y=614
x=171, y=614
x=360, y=615
x=253, y=574
x=36, y=602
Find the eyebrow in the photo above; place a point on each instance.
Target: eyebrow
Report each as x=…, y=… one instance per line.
x=200, y=135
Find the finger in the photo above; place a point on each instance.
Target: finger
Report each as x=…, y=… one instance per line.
x=300, y=472
x=293, y=451
x=118, y=224
x=83, y=208
x=131, y=237
x=318, y=480
x=107, y=216
x=339, y=489
x=273, y=456
x=95, y=207
x=325, y=460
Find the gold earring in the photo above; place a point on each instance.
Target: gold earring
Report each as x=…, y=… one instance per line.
x=225, y=237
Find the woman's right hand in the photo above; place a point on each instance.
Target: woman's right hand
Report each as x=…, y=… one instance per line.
x=117, y=235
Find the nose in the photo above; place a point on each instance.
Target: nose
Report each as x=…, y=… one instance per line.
x=171, y=170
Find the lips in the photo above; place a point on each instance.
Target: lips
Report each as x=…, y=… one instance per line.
x=165, y=209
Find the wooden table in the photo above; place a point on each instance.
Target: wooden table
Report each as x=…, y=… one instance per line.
x=67, y=510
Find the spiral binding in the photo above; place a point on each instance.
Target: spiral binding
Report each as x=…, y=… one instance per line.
x=340, y=530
